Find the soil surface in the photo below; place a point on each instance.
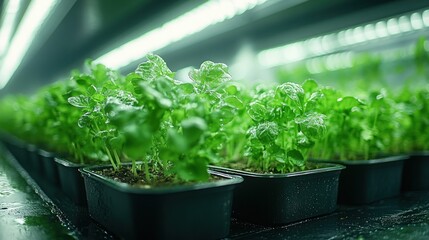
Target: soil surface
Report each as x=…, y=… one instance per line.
x=158, y=179
x=243, y=167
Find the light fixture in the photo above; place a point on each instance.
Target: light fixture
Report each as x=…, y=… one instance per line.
x=194, y=21
x=32, y=21
x=10, y=15
x=334, y=42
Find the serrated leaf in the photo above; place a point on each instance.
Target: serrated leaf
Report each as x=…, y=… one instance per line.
x=79, y=101
x=210, y=73
x=267, y=132
x=312, y=124
x=257, y=111
x=292, y=91
x=154, y=68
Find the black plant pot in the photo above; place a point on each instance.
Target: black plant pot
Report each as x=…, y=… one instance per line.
x=416, y=172
x=194, y=211
x=276, y=199
x=49, y=167
x=366, y=181
x=35, y=166
x=71, y=180
x=17, y=148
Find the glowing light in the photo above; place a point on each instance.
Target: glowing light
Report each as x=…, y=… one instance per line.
x=416, y=21
x=369, y=31
x=192, y=22
x=326, y=44
x=359, y=35
x=392, y=26
x=33, y=19
x=404, y=24
x=381, y=29
x=10, y=15
x=425, y=17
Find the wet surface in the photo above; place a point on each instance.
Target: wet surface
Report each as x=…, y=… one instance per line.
x=29, y=212
x=23, y=214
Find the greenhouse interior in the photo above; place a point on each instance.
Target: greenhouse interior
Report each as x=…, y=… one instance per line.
x=214, y=119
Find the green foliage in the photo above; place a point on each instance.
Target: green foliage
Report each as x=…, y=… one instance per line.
x=285, y=125
x=162, y=125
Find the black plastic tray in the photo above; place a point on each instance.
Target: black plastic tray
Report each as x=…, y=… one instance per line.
x=71, y=180
x=277, y=199
x=366, y=181
x=16, y=147
x=416, y=172
x=49, y=167
x=35, y=165
x=195, y=211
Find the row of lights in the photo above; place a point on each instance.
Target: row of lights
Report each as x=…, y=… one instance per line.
x=14, y=48
x=330, y=43
x=192, y=22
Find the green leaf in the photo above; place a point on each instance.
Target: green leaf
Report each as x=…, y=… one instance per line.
x=267, y=132
x=195, y=170
x=154, y=68
x=367, y=135
x=210, y=73
x=310, y=86
x=231, y=89
x=176, y=142
x=347, y=103
x=83, y=80
x=233, y=101
x=312, y=124
x=186, y=88
x=98, y=97
x=193, y=129
x=296, y=157
x=117, y=142
x=292, y=91
x=303, y=141
x=257, y=111
x=79, y=101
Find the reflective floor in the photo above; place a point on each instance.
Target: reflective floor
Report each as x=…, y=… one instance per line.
x=23, y=213
x=28, y=212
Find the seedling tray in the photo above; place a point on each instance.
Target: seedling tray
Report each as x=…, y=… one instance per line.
x=196, y=211
x=49, y=167
x=277, y=199
x=71, y=180
x=366, y=181
x=409, y=211
x=416, y=172
x=35, y=166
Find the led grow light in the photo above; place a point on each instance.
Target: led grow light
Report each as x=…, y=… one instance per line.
x=331, y=43
x=194, y=21
x=10, y=15
x=32, y=21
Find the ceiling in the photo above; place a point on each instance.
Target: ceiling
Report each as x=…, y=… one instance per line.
x=85, y=29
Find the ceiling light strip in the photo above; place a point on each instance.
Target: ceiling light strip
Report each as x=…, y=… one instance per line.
x=192, y=22
x=32, y=21
x=330, y=43
x=10, y=15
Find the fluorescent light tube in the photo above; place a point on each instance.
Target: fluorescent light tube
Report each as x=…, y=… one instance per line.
x=194, y=21
x=33, y=20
